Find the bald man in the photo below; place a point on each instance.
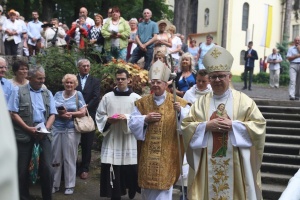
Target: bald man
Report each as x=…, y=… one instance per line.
x=84, y=12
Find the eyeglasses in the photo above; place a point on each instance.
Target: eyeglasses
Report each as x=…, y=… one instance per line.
x=121, y=79
x=156, y=82
x=221, y=77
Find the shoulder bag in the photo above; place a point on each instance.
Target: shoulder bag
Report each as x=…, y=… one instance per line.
x=84, y=124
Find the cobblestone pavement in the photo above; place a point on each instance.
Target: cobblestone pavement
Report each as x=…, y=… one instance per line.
x=89, y=189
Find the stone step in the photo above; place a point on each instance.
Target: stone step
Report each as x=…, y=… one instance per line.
x=283, y=130
x=279, y=168
x=282, y=148
x=263, y=102
x=275, y=178
x=282, y=123
x=272, y=191
x=285, y=116
x=279, y=109
x=281, y=158
x=279, y=138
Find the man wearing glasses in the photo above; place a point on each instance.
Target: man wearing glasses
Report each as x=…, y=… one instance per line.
x=7, y=86
x=119, y=147
x=224, y=134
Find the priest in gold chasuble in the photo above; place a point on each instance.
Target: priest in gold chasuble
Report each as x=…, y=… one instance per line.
x=153, y=124
x=224, y=137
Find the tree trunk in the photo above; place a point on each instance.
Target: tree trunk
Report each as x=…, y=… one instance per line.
x=225, y=24
x=287, y=19
x=181, y=12
x=192, y=17
x=47, y=10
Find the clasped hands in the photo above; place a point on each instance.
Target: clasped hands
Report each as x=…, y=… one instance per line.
x=155, y=116
x=115, y=118
x=220, y=124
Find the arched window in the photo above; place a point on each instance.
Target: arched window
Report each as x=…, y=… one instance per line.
x=245, y=18
x=242, y=61
x=206, y=17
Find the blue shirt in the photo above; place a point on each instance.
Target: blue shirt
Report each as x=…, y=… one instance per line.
x=83, y=80
x=291, y=52
x=70, y=105
x=34, y=31
x=7, y=88
x=146, y=30
x=38, y=107
x=185, y=83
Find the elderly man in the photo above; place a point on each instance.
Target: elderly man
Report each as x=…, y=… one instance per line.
x=224, y=135
x=31, y=105
x=89, y=86
x=7, y=86
x=274, y=59
x=84, y=12
x=153, y=123
x=145, y=38
x=119, y=147
x=293, y=55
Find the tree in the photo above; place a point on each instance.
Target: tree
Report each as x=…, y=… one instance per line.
x=287, y=19
x=225, y=24
x=181, y=20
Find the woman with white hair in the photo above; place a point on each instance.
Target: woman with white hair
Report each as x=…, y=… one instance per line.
x=176, y=46
x=65, y=139
x=131, y=41
x=186, y=78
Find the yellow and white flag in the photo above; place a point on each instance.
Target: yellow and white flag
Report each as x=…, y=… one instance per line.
x=267, y=26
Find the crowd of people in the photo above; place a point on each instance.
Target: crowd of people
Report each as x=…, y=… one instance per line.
x=216, y=131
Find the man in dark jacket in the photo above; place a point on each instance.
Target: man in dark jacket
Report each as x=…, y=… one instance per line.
x=90, y=88
x=250, y=57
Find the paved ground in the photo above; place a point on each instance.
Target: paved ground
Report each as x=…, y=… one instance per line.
x=89, y=189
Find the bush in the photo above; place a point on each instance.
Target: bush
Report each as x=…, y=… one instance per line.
x=264, y=78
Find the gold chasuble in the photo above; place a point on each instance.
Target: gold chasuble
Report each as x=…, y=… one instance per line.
x=158, y=156
x=231, y=173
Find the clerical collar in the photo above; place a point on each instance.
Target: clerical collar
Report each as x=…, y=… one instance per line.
x=222, y=95
x=161, y=97
x=127, y=92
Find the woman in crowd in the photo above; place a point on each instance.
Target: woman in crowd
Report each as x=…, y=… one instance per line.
x=2, y=20
x=116, y=32
x=193, y=49
x=12, y=31
x=65, y=140
x=163, y=39
x=20, y=70
x=79, y=32
x=94, y=34
x=203, y=49
x=186, y=78
x=176, y=46
x=131, y=41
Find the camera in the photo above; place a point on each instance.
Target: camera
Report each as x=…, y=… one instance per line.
x=47, y=25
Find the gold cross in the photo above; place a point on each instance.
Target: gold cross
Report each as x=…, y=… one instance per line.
x=215, y=53
x=156, y=70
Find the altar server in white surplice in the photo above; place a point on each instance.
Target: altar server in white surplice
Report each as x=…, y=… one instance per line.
x=119, y=146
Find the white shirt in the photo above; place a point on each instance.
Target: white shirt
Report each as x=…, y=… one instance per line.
x=175, y=42
x=16, y=26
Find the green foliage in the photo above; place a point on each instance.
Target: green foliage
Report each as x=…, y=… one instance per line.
x=283, y=48
x=263, y=78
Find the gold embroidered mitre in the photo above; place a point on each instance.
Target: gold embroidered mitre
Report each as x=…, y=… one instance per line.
x=218, y=59
x=159, y=71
